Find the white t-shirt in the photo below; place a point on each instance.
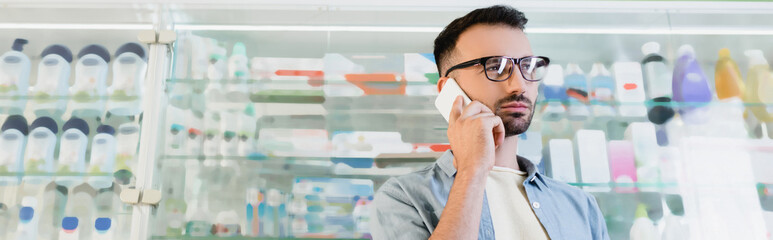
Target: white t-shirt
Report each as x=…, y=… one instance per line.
x=511, y=212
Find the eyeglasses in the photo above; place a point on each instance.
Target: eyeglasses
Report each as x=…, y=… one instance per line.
x=500, y=68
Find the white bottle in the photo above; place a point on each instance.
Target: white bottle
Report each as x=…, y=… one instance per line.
x=212, y=134
x=39, y=160
x=643, y=228
x=39, y=155
x=176, y=133
x=629, y=89
x=78, y=214
x=14, y=77
x=52, y=82
x=102, y=161
x=602, y=91
x=675, y=228
x=195, y=133
x=29, y=219
x=594, y=163
x=656, y=72
x=89, y=88
x=247, y=125
x=562, y=160
x=229, y=145
x=216, y=70
x=72, y=151
x=647, y=157
x=129, y=70
x=12, y=139
x=127, y=140
x=238, y=68
x=199, y=57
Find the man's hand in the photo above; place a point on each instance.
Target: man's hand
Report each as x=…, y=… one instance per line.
x=474, y=132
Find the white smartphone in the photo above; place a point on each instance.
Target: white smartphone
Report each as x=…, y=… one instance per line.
x=445, y=99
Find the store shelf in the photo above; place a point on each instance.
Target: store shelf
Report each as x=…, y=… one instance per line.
x=25, y=174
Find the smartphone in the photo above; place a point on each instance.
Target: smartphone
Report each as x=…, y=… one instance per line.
x=445, y=99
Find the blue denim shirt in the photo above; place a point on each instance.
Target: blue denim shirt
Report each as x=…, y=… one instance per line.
x=409, y=206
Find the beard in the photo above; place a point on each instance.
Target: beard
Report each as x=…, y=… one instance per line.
x=515, y=123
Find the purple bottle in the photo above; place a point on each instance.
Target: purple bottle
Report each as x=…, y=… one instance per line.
x=691, y=89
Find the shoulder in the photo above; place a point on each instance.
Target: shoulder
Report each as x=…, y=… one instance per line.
x=409, y=184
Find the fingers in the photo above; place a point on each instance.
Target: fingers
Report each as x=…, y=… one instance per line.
x=474, y=108
x=499, y=132
x=456, y=110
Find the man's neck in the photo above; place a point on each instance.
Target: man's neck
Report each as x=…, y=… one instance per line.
x=506, y=153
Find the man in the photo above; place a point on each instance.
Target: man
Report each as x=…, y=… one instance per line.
x=481, y=189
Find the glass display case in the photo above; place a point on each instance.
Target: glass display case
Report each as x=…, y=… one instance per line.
x=71, y=92
x=281, y=119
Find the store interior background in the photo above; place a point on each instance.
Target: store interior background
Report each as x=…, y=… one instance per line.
x=333, y=98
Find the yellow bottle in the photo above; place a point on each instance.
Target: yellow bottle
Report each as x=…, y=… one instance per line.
x=759, y=86
x=727, y=77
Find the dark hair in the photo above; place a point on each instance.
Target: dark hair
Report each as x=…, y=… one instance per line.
x=494, y=15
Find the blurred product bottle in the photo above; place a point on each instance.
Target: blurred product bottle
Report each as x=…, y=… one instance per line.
x=691, y=87
x=643, y=228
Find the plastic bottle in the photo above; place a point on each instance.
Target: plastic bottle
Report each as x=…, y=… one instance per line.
x=39, y=155
x=28, y=219
x=643, y=228
x=577, y=92
x=127, y=140
x=14, y=77
x=39, y=159
x=659, y=86
x=199, y=57
x=593, y=158
x=562, y=160
x=727, y=77
x=12, y=139
x=254, y=199
x=629, y=89
x=238, y=68
x=361, y=216
x=52, y=81
x=230, y=142
x=129, y=71
x=90, y=78
x=622, y=166
x=645, y=149
x=273, y=213
x=175, y=130
x=690, y=87
x=227, y=224
x=212, y=135
x=656, y=73
x=247, y=125
x=102, y=161
x=195, y=133
x=77, y=222
x=602, y=87
x=72, y=151
x=759, y=86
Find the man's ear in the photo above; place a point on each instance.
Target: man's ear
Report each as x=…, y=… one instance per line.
x=441, y=82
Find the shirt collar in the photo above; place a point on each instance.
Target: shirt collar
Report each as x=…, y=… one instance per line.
x=446, y=163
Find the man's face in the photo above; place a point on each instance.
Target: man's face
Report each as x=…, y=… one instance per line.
x=496, y=40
